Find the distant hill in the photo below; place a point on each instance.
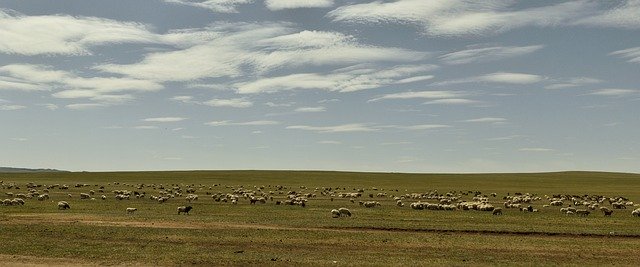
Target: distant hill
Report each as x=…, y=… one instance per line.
x=18, y=170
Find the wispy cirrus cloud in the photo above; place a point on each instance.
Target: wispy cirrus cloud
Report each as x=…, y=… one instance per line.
x=452, y=101
x=164, y=119
x=342, y=80
x=85, y=106
x=4, y=107
x=310, y=109
x=232, y=50
x=246, y=123
x=631, y=54
x=488, y=120
x=572, y=82
x=68, y=85
x=275, y=5
x=498, y=77
x=463, y=18
x=614, y=92
x=420, y=95
x=536, y=149
x=218, y=6
x=486, y=54
x=343, y=128
x=232, y=102
x=64, y=34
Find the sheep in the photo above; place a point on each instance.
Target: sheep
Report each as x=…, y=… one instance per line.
x=103, y=197
x=344, y=212
x=635, y=213
x=131, y=210
x=335, y=213
x=63, y=205
x=17, y=201
x=185, y=210
x=607, y=212
x=84, y=196
x=497, y=211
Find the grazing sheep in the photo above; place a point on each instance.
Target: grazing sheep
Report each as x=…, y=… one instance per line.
x=607, y=212
x=344, y=212
x=103, y=197
x=497, y=211
x=131, y=210
x=84, y=196
x=335, y=213
x=636, y=213
x=63, y=205
x=185, y=210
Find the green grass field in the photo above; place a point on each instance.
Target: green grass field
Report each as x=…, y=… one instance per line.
x=100, y=232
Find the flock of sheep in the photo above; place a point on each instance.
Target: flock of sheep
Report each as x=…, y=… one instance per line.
x=580, y=205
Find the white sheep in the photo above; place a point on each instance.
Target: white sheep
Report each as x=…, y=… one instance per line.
x=344, y=212
x=131, y=210
x=636, y=213
x=335, y=213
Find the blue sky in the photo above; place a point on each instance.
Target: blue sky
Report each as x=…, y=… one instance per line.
x=393, y=86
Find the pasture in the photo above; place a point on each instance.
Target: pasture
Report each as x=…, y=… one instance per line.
x=102, y=232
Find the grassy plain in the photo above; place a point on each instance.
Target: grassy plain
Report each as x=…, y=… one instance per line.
x=101, y=233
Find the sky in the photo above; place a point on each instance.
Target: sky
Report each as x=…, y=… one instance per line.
x=444, y=86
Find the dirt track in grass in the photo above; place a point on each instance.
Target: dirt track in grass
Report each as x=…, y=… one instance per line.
x=99, y=221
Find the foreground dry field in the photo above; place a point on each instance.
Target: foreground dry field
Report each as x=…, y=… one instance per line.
x=101, y=232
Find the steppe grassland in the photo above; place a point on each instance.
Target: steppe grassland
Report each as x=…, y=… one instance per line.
x=101, y=232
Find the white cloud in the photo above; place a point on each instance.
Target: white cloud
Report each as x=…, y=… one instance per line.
x=11, y=107
x=49, y=106
x=624, y=14
x=247, y=123
x=352, y=127
x=572, y=82
x=415, y=79
x=512, y=78
x=164, y=119
x=84, y=106
x=342, y=80
x=498, y=77
x=233, y=49
x=8, y=83
x=275, y=105
x=220, y=6
x=488, y=120
x=421, y=127
x=451, y=101
x=486, y=54
x=20, y=139
x=145, y=127
x=420, y=95
x=614, y=92
x=462, y=18
x=458, y=17
x=291, y=4
x=65, y=35
x=535, y=149
x=103, y=90
x=233, y=102
x=183, y=99
x=311, y=109
x=330, y=142
x=631, y=54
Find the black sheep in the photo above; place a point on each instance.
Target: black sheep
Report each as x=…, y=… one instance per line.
x=184, y=209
